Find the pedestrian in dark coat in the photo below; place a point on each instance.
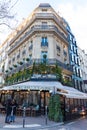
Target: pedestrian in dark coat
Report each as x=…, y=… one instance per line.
x=13, y=112
x=8, y=111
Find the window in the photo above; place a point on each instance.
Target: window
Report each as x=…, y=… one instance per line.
x=65, y=53
x=44, y=41
x=44, y=25
x=78, y=61
x=72, y=57
x=30, y=56
x=13, y=59
x=44, y=10
x=18, y=56
x=9, y=61
x=58, y=48
x=23, y=52
x=30, y=47
x=76, y=52
x=71, y=47
x=80, y=73
x=77, y=71
x=74, y=49
x=74, y=70
x=75, y=59
x=31, y=41
x=3, y=67
x=75, y=83
x=70, y=37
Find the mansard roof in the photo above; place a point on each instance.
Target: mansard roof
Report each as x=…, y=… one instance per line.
x=44, y=5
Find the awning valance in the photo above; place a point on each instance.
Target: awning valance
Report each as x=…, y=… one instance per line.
x=34, y=85
x=73, y=93
x=52, y=86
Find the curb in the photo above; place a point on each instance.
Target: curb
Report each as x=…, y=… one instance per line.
x=35, y=128
x=50, y=126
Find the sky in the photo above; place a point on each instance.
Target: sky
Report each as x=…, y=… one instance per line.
x=74, y=11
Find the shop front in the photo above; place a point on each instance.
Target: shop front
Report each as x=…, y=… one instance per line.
x=74, y=103
x=37, y=93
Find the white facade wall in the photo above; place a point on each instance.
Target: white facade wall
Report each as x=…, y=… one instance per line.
x=83, y=65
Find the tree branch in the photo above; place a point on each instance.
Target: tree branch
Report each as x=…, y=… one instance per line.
x=13, y=5
x=5, y=12
x=7, y=25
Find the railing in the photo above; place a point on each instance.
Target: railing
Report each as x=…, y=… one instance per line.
x=49, y=62
x=38, y=28
x=40, y=16
x=49, y=16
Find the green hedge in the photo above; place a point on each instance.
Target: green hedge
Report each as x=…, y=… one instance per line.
x=55, y=112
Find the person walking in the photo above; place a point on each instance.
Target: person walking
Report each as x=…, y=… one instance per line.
x=14, y=106
x=8, y=111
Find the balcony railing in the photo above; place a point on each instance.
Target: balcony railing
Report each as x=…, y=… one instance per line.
x=50, y=16
x=39, y=16
x=48, y=28
x=49, y=62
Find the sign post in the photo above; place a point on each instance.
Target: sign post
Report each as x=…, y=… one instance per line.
x=46, y=114
x=24, y=110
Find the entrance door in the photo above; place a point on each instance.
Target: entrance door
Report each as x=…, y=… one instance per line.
x=44, y=100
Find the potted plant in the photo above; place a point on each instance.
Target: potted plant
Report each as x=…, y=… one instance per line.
x=44, y=58
x=20, y=62
x=15, y=66
x=27, y=59
x=10, y=68
x=6, y=71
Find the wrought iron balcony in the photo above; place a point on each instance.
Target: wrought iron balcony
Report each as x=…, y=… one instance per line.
x=39, y=16
x=50, y=16
x=37, y=28
x=49, y=62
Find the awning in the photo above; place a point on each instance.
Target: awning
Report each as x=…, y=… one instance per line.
x=76, y=95
x=52, y=86
x=34, y=85
x=71, y=92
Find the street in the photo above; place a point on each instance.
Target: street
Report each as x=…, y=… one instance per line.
x=75, y=125
x=79, y=124
x=38, y=123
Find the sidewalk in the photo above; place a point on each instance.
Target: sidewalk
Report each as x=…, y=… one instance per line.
x=30, y=122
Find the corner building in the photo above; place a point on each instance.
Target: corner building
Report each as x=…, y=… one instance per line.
x=37, y=52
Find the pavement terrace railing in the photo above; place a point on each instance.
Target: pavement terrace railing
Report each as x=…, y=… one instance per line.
x=48, y=28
